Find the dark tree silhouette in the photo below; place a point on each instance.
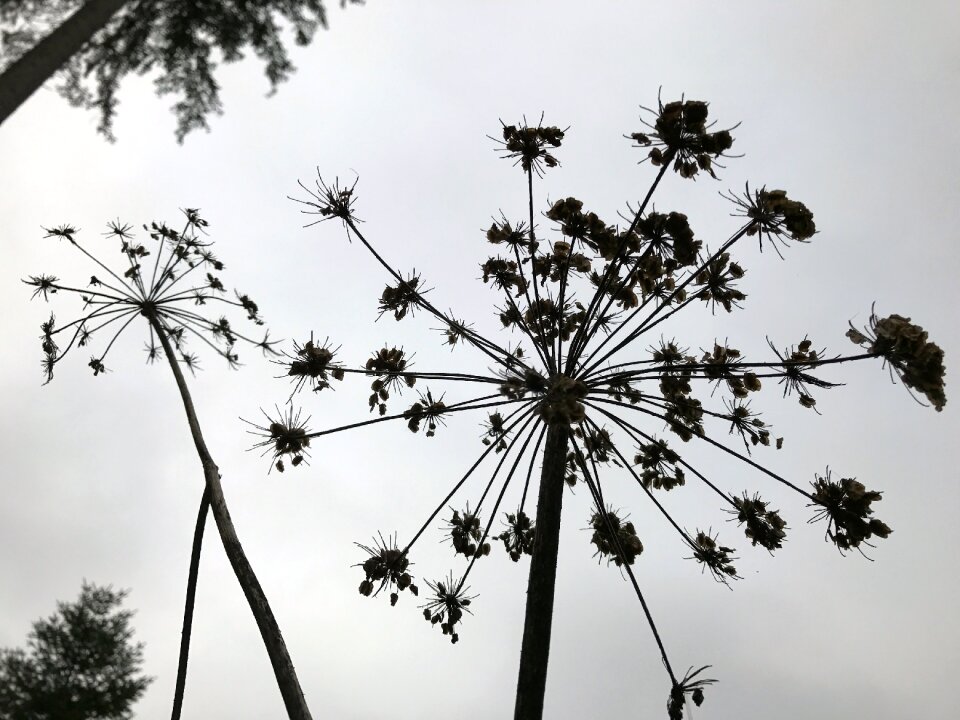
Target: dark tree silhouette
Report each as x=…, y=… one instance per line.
x=98, y=43
x=79, y=664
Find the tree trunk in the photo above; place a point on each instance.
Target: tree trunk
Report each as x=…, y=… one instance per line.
x=535, y=650
x=269, y=630
x=26, y=75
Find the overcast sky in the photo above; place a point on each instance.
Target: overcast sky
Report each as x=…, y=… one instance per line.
x=851, y=107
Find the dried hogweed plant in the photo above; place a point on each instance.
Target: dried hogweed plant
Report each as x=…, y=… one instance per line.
x=168, y=282
x=592, y=385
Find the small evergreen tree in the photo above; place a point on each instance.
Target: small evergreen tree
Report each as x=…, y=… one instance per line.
x=79, y=664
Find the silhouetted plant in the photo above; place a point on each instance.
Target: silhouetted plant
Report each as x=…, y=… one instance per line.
x=164, y=293
x=587, y=380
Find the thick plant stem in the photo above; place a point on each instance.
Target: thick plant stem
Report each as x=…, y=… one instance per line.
x=37, y=65
x=538, y=621
x=188, y=604
x=269, y=630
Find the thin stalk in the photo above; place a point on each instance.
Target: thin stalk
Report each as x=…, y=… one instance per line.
x=647, y=324
x=533, y=254
x=538, y=620
x=485, y=346
x=583, y=334
x=525, y=410
x=594, y=488
x=188, y=604
x=269, y=629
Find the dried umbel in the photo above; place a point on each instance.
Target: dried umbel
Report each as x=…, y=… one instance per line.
x=466, y=534
x=169, y=281
x=615, y=538
x=691, y=686
x=386, y=567
x=846, y=506
x=427, y=411
x=447, y=605
x=311, y=364
x=764, y=527
x=390, y=364
x=659, y=463
x=776, y=218
x=718, y=559
x=585, y=376
x=916, y=360
x=161, y=282
x=529, y=145
x=797, y=361
x=518, y=536
x=681, y=135
x=284, y=436
x=401, y=298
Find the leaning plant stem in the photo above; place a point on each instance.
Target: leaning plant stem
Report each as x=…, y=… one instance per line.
x=188, y=604
x=538, y=620
x=269, y=630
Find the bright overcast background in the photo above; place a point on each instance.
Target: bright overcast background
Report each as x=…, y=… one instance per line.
x=851, y=107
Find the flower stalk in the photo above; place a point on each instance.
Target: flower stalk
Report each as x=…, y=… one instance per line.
x=538, y=618
x=283, y=669
x=148, y=290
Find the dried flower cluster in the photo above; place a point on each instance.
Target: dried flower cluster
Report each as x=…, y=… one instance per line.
x=181, y=276
x=584, y=379
x=916, y=360
x=846, y=505
x=161, y=283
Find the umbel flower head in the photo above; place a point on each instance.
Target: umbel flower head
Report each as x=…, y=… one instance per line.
x=283, y=437
x=588, y=390
x=163, y=281
x=912, y=356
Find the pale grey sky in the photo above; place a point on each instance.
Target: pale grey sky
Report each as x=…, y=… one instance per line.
x=850, y=107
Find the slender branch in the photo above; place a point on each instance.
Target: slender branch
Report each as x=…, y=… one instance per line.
x=629, y=466
x=425, y=375
x=85, y=291
x=525, y=410
x=503, y=458
x=172, y=257
x=582, y=337
x=533, y=460
x=643, y=327
x=459, y=407
x=598, y=499
x=703, y=366
x=486, y=346
x=127, y=291
x=713, y=442
x=540, y=347
x=188, y=604
x=633, y=431
x=533, y=252
x=283, y=669
x=496, y=505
